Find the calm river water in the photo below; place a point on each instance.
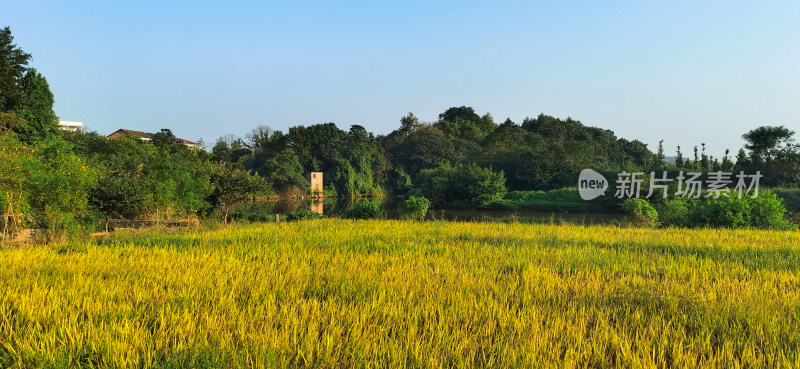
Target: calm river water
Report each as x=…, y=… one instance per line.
x=266, y=210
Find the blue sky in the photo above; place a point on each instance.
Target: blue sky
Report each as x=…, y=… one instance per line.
x=683, y=71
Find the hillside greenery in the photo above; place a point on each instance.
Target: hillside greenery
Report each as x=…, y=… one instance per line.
x=66, y=182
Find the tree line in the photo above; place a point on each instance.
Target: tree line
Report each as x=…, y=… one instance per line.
x=62, y=181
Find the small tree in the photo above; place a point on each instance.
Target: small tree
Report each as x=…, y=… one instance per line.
x=118, y=194
x=672, y=212
x=414, y=208
x=231, y=185
x=58, y=185
x=641, y=212
x=660, y=158
x=364, y=209
x=14, y=172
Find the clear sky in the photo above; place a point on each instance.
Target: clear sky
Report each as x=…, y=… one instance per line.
x=683, y=71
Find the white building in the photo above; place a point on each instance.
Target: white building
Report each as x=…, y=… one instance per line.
x=66, y=125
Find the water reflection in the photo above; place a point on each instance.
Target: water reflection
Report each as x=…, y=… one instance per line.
x=264, y=211
x=317, y=207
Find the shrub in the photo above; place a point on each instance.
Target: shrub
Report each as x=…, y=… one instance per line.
x=641, y=212
x=767, y=212
x=301, y=214
x=364, y=209
x=672, y=212
x=727, y=212
x=414, y=208
x=44, y=184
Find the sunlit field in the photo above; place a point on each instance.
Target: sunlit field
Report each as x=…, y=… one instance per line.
x=338, y=293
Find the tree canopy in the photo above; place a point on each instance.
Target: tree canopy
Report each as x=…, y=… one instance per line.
x=24, y=92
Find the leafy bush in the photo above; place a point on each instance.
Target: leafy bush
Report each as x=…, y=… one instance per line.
x=728, y=212
x=231, y=185
x=364, y=209
x=44, y=184
x=766, y=211
x=414, y=208
x=641, y=212
x=302, y=214
x=672, y=212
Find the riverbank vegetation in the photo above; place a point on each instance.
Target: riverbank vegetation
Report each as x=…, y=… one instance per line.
x=68, y=183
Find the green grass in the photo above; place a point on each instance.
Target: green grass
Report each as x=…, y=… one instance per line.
x=338, y=293
x=560, y=200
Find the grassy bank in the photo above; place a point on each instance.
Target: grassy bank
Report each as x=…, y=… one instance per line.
x=337, y=293
x=560, y=200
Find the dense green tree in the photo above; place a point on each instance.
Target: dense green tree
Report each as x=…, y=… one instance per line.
x=774, y=153
x=24, y=92
x=138, y=179
x=316, y=146
x=36, y=106
x=221, y=152
x=259, y=136
x=726, y=164
x=284, y=171
x=426, y=150
x=409, y=124
x=660, y=159
x=463, y=123
x=119, y=194
x=164, y=137
x=766, y=142
x=469, y=183
x=13, y=64
x=232, y=184
x=463, y=113
x=15, y=170
x=46, y=183
x=705, y=163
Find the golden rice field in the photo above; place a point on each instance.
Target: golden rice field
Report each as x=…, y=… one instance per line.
x=393, y=294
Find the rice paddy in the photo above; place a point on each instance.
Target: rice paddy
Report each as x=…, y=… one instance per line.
x=372, y=294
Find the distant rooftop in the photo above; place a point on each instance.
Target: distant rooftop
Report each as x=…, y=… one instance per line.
x=129, y=132
x=149, y=137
